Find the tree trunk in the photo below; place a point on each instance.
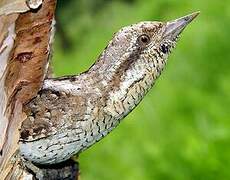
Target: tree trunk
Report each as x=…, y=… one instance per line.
x=26, y=32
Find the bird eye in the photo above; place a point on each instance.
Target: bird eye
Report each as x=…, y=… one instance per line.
x=164, y=48
x=144, y=39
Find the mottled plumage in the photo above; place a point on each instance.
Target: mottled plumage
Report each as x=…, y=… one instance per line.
x=72, y=113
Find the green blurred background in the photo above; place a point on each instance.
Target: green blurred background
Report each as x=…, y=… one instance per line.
x=181, y=129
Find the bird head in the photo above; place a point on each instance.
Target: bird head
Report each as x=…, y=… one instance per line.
x=142, y=47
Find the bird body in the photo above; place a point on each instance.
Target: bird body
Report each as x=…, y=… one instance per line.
x=74, y=112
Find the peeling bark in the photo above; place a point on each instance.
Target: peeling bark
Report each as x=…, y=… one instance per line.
x=18, y=6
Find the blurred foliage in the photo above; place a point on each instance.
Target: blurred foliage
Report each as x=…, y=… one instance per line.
x=181, y=130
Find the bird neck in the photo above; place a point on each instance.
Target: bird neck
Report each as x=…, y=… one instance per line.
x=122, y=84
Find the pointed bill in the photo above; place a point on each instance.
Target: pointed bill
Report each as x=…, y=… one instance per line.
x=174, y=28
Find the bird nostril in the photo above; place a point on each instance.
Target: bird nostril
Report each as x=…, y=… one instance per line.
x=164, y=48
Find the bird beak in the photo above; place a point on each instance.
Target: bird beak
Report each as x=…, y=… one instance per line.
x=174, y=28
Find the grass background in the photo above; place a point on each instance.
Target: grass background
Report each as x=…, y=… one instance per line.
x=181, y=129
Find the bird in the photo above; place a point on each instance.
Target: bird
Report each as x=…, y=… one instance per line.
x=72, y=113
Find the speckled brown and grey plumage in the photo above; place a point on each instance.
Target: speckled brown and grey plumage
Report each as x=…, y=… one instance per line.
x=72, y=113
